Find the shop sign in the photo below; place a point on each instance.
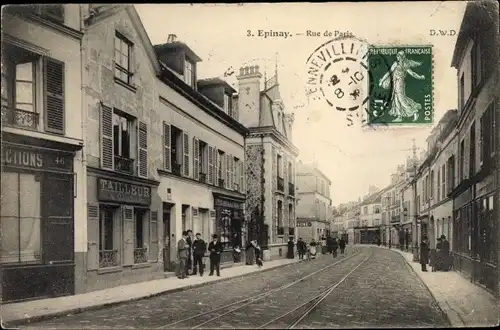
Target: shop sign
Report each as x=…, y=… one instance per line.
x=123, y=192
x=35, y=159
x=228, y=203
x=304, y=224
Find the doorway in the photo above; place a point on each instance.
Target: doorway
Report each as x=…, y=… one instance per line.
x=168, y=240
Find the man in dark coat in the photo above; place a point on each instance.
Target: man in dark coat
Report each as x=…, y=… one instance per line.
x=199, y=249
x=189, y=240
x=215, y=248
x=407, y=238
x=182, y=255
x=301, y=248
x=290, y=253
x=424, y=254
x=342, y=245
x=335, y=247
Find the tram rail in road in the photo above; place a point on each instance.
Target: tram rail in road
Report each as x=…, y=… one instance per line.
x=199, y=320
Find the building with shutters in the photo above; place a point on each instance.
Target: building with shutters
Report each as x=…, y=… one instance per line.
x=42, y=138
x=314, y=206
x=201, y=156
x=270, y=161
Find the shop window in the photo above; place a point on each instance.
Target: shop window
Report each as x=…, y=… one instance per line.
x=140, y=250
x=176, y=150
x=123, y=52
x=122, y=142
x=225, y=226
x=472, y=150
x=20, y=218
x=108, y=252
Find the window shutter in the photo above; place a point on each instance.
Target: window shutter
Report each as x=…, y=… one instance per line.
x=229, y=175
x=242, y=177
x=235, y=173
x=223, y=170
x=185, y=149
x=54, y=95
x=196, y=161
x=216, y=166
x=153, y=236
x=107, y=145
x=128, y=235
x=167, y=159
x=92, y=236
x=142, y=136
x=210, y=165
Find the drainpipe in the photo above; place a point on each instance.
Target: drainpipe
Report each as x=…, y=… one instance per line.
x=262, y=184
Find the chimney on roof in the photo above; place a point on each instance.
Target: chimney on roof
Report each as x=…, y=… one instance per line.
x=171, y=38
x=249, y=95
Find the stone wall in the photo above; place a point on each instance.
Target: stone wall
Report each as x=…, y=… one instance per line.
x=254, y=160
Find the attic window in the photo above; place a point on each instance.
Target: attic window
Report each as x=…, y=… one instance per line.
x=123, y=49
x=226, y=103
x=188, y=73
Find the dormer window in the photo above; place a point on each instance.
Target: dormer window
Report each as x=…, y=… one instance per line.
x=227, y=105
x=188, y=72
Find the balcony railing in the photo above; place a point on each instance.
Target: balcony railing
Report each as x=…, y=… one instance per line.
x=281, y=184
x=221, y=183
x=124, y=165
x=177, y=169
x=108, y=258
x=203, y=177
x=281, y=231
x=140, y=255
x=291, y=189
x=20, y=118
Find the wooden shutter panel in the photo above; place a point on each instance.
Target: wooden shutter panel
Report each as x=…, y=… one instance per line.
x=142, y=137
x=167, y=156
x=128, y=235
x=53, y=85
x=196, y=160
x=235, y=169
x=242, y=177
x=210, y=165
x=216, y=166
x=228, y=172
x=153, y=236
x=107, y=145
x=92, y=236
x=185, y=149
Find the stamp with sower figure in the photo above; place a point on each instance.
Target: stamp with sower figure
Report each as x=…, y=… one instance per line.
x=355, y=77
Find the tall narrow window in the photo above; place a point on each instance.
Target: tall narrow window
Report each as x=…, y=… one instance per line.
x=188, y=73
x=123, y=49
x=462, y=92
x=281, y=229
x=108, y=252
x=462, y=161
x=472, y=150
x=122, y=127
x=227, y=104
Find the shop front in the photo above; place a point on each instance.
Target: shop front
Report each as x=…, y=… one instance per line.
x=229, y=223
x=123, y=232
x=37, y=222
x=463, y=260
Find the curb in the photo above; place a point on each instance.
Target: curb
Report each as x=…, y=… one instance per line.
x=440, y=305
x=77, y=310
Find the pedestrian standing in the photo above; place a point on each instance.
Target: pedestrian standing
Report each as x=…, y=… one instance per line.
x=312, y=250
x=215, y=248
x=189, y=240
x=199, y=249
x=182, y=255
x=258, y=254
x=407, y=238
x=301, y=248
x=342, y=245
x=424, y=254
x=335, y=247
x=291, y=245
x=250, y=253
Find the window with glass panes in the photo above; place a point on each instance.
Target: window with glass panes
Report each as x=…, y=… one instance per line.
x=123, y=48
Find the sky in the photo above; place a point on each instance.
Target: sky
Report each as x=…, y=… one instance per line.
x=352, y=157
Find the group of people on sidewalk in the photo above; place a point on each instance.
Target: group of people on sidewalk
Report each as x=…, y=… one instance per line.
x=440, y=259
x=253, y=254
x=329, y=245
x=190, y=254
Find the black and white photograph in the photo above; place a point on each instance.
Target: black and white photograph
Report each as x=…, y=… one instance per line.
x=330, y=165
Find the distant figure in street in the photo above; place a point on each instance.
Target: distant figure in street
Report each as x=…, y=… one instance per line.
x=182, y=255
x=401, y=241
x=199, y=249
x=335, y=246
x=324, y=245
x=250, y=254
x=258, y=254
x=424, y=253
x=215, y=248
x=329, y=244
x=311, y=253
x=236, y=248
x=189, y=240
x=407, y=238
x=342, y=245
x=442, y=255
x=301, y=248
x=290, y=253
x=378, y=241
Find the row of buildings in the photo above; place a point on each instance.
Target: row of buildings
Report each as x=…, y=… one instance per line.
x=452, y=188
x=112, y=146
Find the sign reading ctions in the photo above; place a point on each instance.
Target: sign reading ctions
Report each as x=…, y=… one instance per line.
x=123, y=192
x=36, y=159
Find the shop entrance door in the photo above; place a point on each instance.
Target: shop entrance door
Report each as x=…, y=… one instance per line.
x=167, y=239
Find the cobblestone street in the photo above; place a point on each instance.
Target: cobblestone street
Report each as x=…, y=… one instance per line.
x=382, y=292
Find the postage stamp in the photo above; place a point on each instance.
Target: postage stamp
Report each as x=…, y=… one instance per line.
x=409, y=80
x=340, y=74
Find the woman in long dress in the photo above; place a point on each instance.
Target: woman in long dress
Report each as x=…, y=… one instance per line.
x=401, y=105
x=250, y=253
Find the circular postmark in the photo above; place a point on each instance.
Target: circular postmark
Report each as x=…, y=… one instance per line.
x=340, y=72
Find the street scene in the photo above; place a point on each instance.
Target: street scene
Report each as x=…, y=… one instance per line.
x=239, y=166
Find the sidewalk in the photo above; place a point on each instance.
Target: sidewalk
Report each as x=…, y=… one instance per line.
x=464, y=303
x=37, y=310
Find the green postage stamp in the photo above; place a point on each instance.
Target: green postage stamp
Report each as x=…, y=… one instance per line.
x=404, y=93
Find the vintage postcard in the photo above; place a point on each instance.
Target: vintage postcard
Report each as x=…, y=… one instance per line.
x=253, y=165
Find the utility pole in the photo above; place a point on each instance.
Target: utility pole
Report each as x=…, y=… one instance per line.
x=415, y=215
